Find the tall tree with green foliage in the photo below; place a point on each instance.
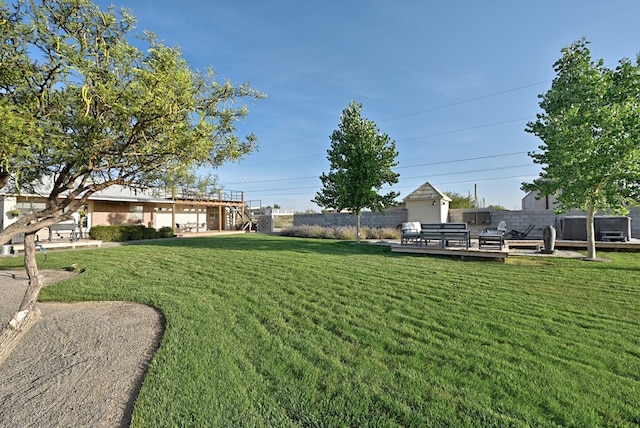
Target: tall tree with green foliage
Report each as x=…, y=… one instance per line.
x=83, y=108
x=361, y=158
x=590, y=130
x=458, y=200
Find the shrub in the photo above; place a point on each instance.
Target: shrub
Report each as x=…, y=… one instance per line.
x=390, y=233
x=166, y=232
x=328, y=233
x=128, y=232
x=347, y=233
x=102, y=233
x=381, y=233
x=304, y=231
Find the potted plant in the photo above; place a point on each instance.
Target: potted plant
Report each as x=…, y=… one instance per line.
x=14, y=213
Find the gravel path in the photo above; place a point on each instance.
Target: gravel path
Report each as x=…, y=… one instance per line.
x=80, y=365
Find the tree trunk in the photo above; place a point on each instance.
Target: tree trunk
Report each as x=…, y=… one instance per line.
x=358, y=227
x=591, y=239
x=27, y=314
x=31, y=266
x=10, y=336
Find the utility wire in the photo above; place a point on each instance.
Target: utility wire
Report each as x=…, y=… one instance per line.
x=399, y=167
x=406, y=139
x=462, y=160
x=439, y=184
x=408, y=178
x=430, y=109
x=466, y=129
x=464, y=101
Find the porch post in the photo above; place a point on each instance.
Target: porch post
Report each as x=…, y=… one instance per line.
x=173, y=217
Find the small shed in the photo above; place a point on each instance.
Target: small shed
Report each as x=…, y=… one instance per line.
x=427, y=204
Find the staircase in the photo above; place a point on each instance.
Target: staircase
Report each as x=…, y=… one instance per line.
x=249, y=220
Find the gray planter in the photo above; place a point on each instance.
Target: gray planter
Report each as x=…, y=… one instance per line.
x=548, y=239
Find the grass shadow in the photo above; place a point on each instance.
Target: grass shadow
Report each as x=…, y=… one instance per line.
x=264, y=243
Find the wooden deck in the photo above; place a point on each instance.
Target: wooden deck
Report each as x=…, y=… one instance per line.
x=473, y=252
x=512, y=244
x=632, y=245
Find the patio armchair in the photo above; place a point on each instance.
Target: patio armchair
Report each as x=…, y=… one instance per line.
x=501, y=228
x=493, y=235
x=410, y=232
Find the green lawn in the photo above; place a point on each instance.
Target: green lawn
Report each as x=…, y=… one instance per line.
x=273, y=331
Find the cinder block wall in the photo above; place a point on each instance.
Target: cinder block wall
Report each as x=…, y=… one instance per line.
x=390, y=218
x=518, y=220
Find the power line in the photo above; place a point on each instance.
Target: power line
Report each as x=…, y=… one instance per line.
x=408, y=178
x=462, y=160
x=522, y=177
x=430, y=109
x=472, y=171
x=465, y=101
x=279, y=179
x=399, y=167
x=467, y=129
x=439, y=184
x=406, y=139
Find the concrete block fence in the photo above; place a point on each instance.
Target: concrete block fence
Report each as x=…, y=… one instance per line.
x=518, y=220
x=391, y=218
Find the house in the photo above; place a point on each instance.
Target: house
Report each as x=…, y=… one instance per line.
x=154, y=208
x=427, y=204
x=533, y=201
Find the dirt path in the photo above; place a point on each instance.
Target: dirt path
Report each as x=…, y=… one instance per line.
x=82, y=364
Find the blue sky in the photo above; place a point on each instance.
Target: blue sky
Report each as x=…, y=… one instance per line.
x=452, y=82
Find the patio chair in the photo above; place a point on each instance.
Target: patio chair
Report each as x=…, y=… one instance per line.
x=502, y=228
x=492, y=235
x=516, y=234
x=410, y=233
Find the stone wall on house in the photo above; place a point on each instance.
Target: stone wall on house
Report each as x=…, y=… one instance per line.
x=391, y=218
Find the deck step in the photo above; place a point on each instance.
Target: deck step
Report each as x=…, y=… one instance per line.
x=471, y=253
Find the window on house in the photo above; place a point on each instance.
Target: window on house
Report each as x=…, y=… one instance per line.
x=136, y=212
x=27, y=207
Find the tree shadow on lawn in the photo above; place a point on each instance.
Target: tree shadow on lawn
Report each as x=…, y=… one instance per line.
x=269, y=243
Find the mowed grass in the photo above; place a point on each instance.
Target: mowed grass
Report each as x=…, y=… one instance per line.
x=273, y=331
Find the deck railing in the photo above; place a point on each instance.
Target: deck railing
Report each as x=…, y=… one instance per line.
x=199, y=195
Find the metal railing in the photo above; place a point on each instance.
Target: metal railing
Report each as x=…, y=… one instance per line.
x=199, y=195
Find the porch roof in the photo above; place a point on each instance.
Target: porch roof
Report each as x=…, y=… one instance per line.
x=113, y=193
x=126, y=194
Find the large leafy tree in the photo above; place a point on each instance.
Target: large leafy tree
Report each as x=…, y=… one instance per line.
x=361, y=158
x=458, y=200
x=82, y=108
x=590, y=129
